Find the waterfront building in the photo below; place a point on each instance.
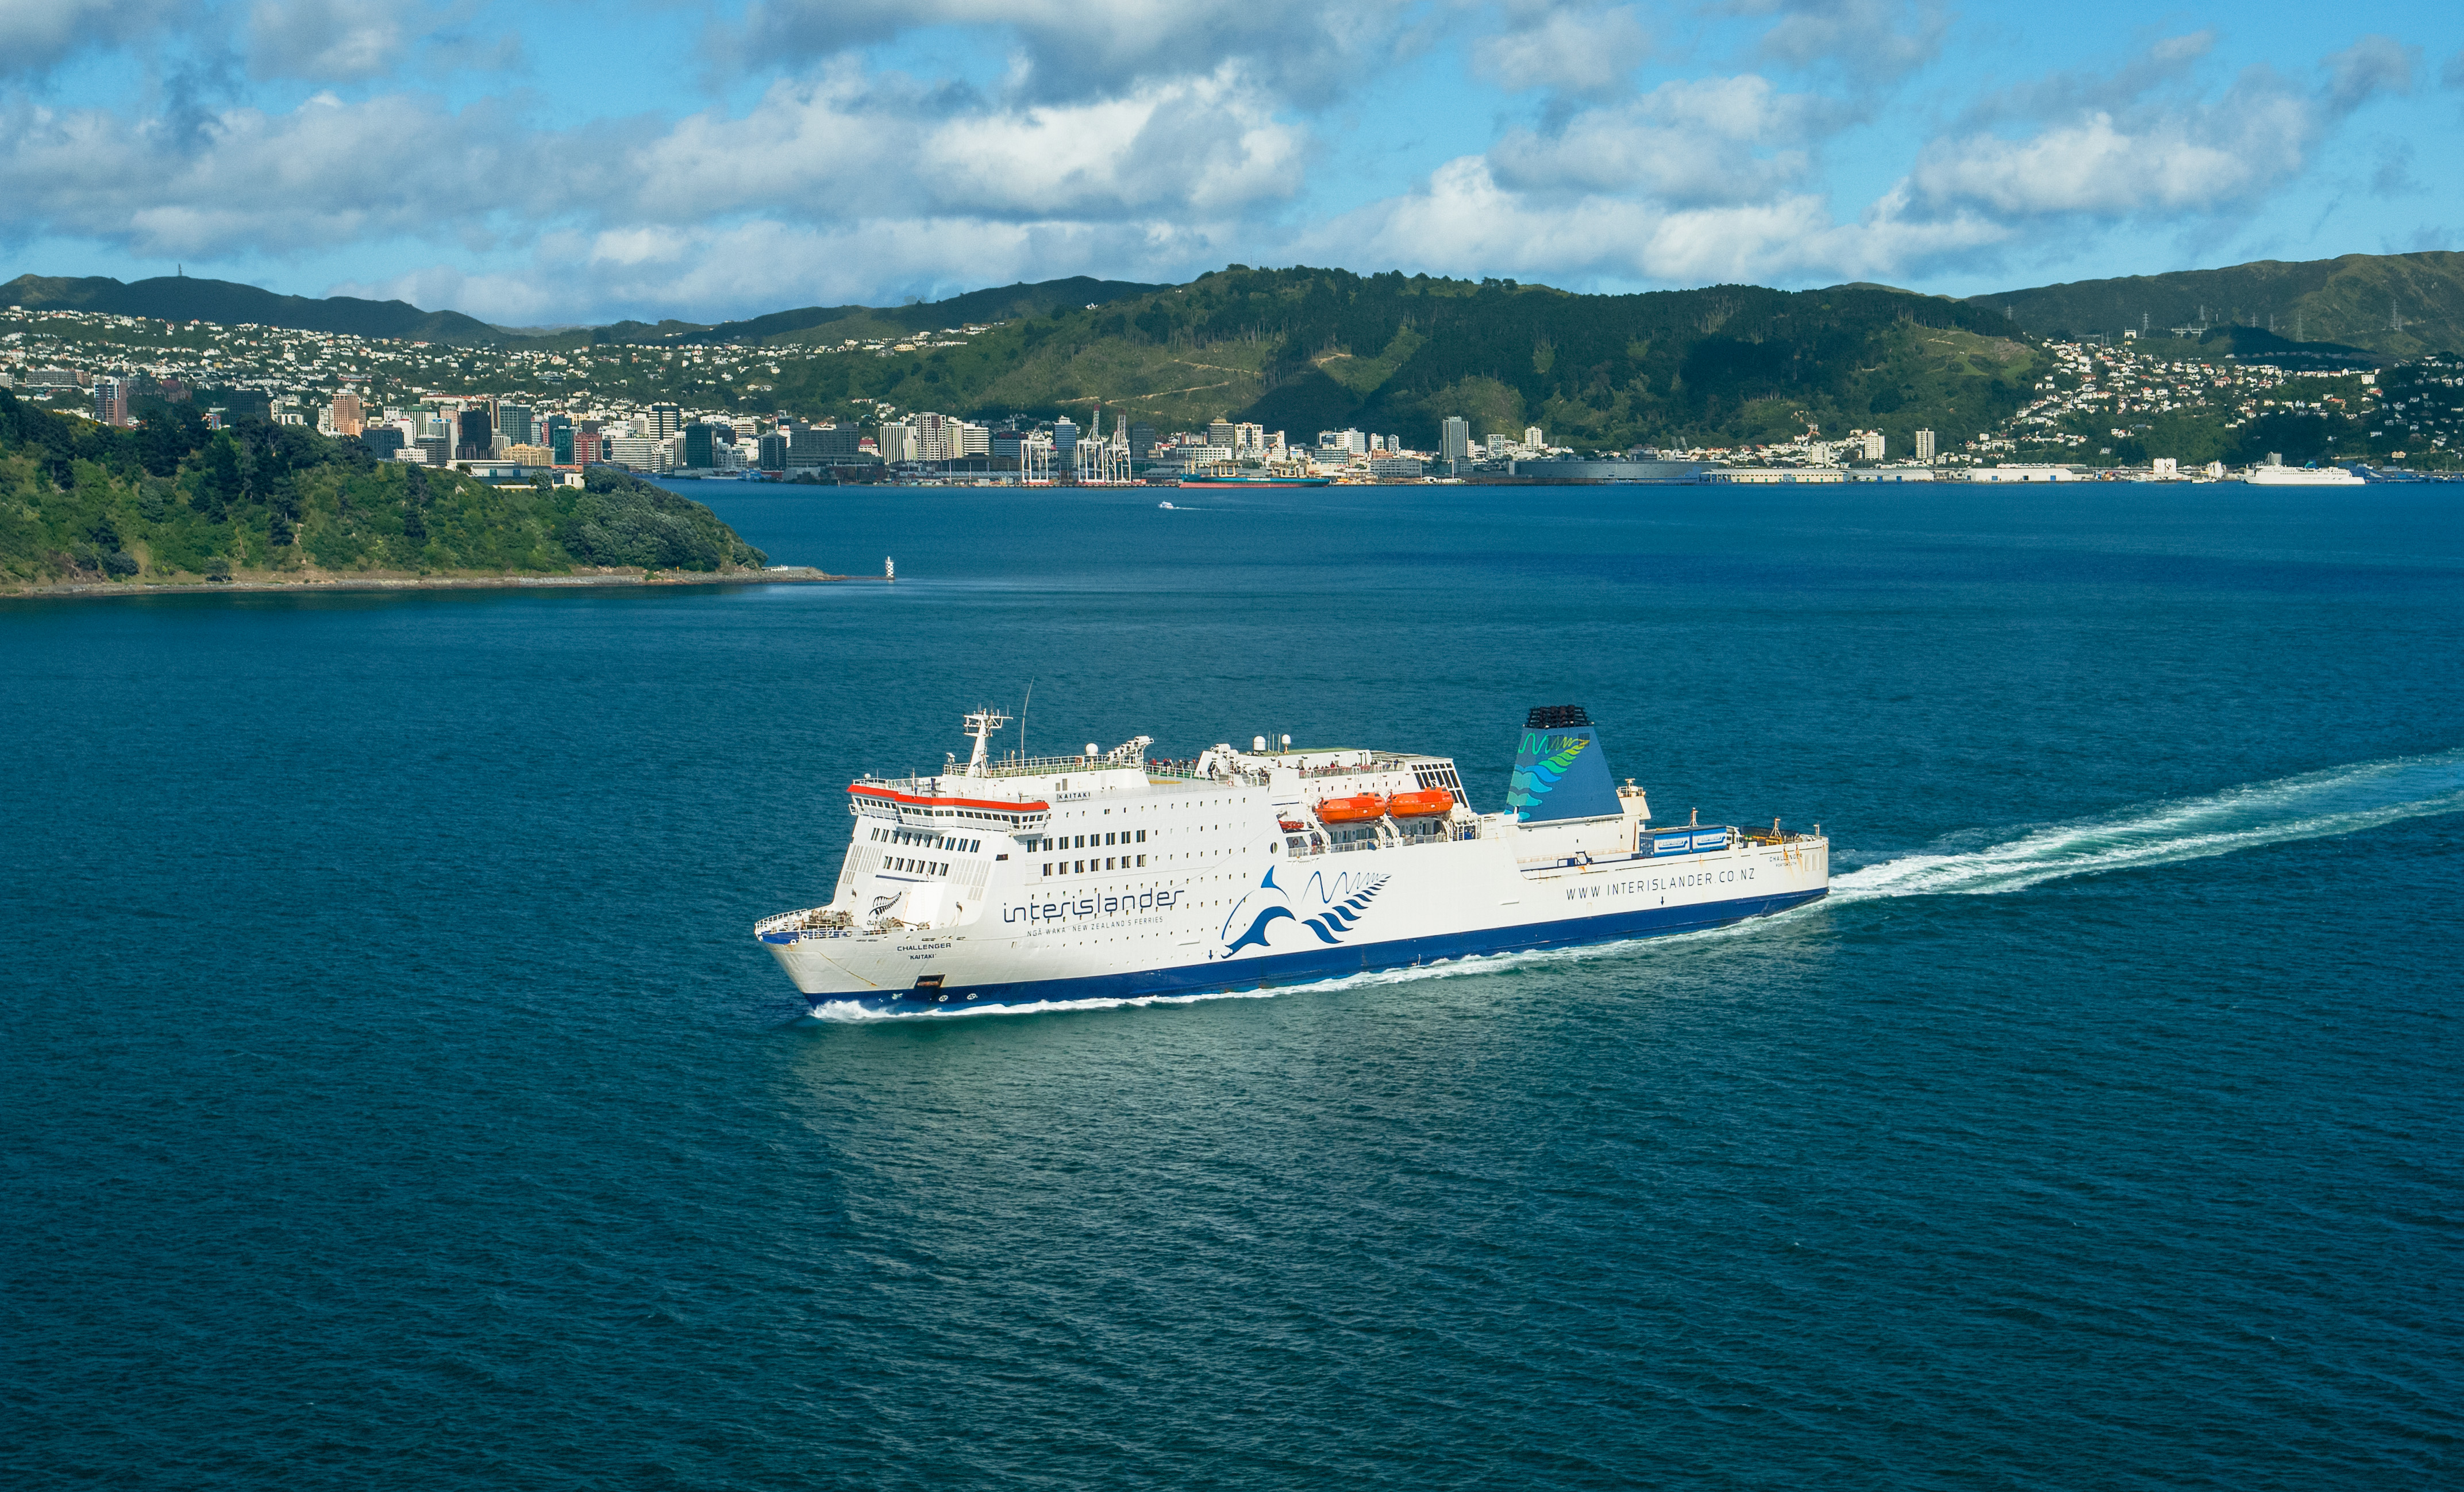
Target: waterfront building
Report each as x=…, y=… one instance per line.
x=1065, y=436
x=1924, y=446
x=1454, y=441
x=663, y=420
x=700, y=448
x=896, y=442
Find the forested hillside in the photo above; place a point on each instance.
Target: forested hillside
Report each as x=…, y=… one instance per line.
x=2397, y=305
x=1302, y=350
x=174, y=500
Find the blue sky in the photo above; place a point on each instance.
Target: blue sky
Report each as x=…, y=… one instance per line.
x=549, y=162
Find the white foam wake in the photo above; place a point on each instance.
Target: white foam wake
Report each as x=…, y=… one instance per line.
x=2314, y=805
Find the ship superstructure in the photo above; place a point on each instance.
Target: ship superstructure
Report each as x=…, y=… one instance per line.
x=1012, y=880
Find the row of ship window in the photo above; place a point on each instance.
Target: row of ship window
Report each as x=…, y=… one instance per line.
x=927, y=841
x=1090, y=840
x=1088, y=866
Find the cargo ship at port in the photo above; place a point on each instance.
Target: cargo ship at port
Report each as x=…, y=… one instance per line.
x=1026, y=881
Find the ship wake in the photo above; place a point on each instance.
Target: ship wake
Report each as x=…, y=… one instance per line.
x=2314, y=805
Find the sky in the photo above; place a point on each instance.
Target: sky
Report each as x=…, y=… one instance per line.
x=549, y=162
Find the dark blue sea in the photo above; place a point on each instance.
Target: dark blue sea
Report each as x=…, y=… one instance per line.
x=392, y=1095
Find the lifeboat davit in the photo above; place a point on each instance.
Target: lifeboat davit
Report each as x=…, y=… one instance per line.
x=1427, y=803
x=1359, y=808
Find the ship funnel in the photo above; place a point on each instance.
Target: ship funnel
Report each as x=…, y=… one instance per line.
x=1560, y=772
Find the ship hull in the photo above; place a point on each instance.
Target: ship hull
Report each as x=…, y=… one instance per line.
x=1277, y=971
x=1301, y=921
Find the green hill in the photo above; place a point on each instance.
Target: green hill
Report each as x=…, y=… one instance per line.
x=174, y=500
x=2398, y=305
x=179, y=298
x=1006, y=304
x=1306, y=349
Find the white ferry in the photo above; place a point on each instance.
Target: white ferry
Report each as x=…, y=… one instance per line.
x=2301, y=476
x=1022, y=881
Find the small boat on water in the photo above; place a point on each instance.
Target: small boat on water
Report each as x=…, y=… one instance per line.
x=1164, y=505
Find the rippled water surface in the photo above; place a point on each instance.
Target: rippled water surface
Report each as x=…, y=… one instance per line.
x=394, y=1096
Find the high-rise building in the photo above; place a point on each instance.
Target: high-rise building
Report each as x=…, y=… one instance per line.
x=1142, y=439
x=1872, y=444
x=1064, y=437
x=896, y=442
x=934, y=435
x=701, y=453
x=473, y=439
x=1924, y=446
x=349, y=417
x=514, y=421
x=664, y=420
x=111, y=399
x=1454, y=440
x=824, y=445
x=588, y=445
x=975, y=440
x=559, y=438
x=774, y=451
x=1223, y=432
x=1535, y=438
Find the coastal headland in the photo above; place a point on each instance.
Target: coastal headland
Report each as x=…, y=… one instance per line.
x=293, y=583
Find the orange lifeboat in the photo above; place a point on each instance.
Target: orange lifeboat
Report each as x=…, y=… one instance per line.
x=1359, y=808
x=1428, y=803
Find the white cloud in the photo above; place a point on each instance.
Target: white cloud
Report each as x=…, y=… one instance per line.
x=2371, y=66
x=2133, y=160
x=1574, y=51
x=325, y=173
x=710, y=271
x=36, y=36
x=1875, y=39
x=1704, y=141
x=842, y=145
x=1463, y=222
x=1302, y=51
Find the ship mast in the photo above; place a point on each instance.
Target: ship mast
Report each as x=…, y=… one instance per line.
x=981, y=726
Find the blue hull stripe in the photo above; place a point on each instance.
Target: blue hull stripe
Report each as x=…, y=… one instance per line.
x=1307, y=966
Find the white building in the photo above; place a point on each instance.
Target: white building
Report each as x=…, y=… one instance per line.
x=1924, y=444
x=1535, y=439
x=897, y=441
x=1873, y=440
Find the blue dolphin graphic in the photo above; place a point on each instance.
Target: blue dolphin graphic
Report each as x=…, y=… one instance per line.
x=1257, y=932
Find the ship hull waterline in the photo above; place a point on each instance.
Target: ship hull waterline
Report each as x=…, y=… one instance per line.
x=1313, y=966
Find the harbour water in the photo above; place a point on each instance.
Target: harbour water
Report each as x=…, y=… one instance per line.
x=393, y=1094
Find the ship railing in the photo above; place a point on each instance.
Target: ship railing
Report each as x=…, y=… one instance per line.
x=812, y=922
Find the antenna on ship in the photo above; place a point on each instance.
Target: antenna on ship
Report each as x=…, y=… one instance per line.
x=981, y=726
x=1021, y=719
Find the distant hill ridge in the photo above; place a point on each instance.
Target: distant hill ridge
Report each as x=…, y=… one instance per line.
x=181, y=298
x=184, y=298
x=2397, y=305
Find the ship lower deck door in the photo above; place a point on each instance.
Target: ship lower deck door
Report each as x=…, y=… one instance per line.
x=931, y=982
